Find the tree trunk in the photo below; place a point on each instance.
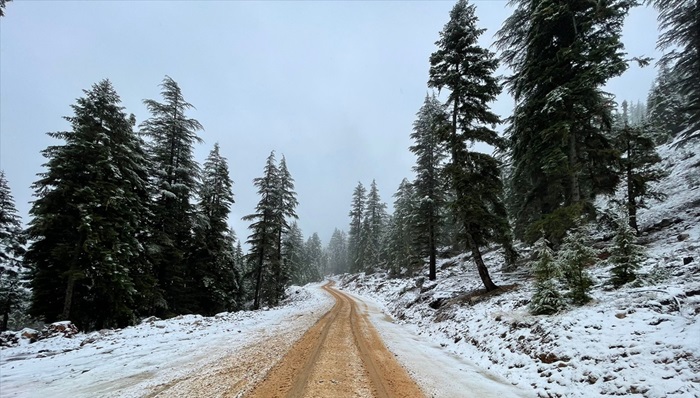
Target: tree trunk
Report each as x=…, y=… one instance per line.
x=432, y=271
x=480, y=265
x=631, y=199
x=258, y=283
x=575, y=194
x=68, y=299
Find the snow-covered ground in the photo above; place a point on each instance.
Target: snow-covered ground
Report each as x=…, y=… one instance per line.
x=134, y=361
x=642, y=340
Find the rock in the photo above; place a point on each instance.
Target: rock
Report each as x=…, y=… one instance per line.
x=420, y=281
x=620, y=315
x=9, y=339
x=687, y=260
x=30, y=334
x=683, y=237
x=64, y=329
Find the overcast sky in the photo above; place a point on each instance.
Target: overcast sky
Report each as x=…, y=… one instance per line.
x=334, y=86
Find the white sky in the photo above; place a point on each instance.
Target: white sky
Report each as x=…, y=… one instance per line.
x=332, y=85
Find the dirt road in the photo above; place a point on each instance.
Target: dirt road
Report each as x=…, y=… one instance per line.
x=342, y=355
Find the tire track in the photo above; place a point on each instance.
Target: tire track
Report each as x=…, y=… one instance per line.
x=341, y=355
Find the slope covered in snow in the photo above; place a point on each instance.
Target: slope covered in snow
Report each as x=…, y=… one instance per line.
x=643, y=338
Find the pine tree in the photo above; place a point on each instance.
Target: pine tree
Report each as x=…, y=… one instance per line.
x=575, y=255
x=264, y=234
x=212, y=275
x=626, y=254
x=429, y=130
x=667, y=109
x=13, y=291
x=639, y=164
x=562, y=53
x=546, y=300
x=679, y=21
x=373, y=230
x=401, y=232
x=286, y=210
x=293, y=252
x=174, y=179
x=314, y=260
x=337, y=252
x=355, y=254
x=467, y=71
x=88, y=219
x=3, y=3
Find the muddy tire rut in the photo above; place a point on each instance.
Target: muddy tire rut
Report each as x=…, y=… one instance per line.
x=342, y=355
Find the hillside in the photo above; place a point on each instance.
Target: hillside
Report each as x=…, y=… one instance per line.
x=641, y=339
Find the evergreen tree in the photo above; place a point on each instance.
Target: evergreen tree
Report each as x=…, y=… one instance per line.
x=286, y=209
x=575, y=255
x=294, y=254
x=546, y=300
x=13, y=291
x=314, y=261
x=264, y=233
x=212, y=278
x=679, y=21
x=626, y=256
x=667, y=109
x=401, y=232
x=88, y=219
x=562, y=53
x=337, y=252
x=174, y=179
x=467, y=71
x=373, y=230
x=355, y=254
x=429, y=130
x=639, y=164
x=3, y=3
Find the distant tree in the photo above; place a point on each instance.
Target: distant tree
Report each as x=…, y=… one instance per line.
x=212, y=274
x=294, y=254
x=401, y=232
x=337, y=252
x=174, y=177
x=264, y=233
x=357, y=208
x=467, y=71
x=89, y=219
x=3, y=4
x=547, y=299
x=562, y=53
x=679, y=22
x=14, y=295
x=429, y=129
x=639, y=164
x=667, y=110
x=574, y=256
x=314, y=262
x=626, y=254
x=373, y=230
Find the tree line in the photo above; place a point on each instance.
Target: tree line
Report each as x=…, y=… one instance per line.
x=566, y=142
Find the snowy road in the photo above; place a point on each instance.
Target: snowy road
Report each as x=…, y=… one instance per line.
x=229, y=355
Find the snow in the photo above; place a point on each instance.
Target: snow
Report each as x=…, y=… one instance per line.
x=641, y=339
x=130, y=361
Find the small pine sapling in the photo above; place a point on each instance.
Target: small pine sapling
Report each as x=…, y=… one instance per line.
x=575, y=255
x=626, y=254
x=547, y=299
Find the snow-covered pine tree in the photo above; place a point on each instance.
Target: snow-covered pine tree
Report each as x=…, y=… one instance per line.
x=357, y=208
x=89, y=219
x=575, y=255
x=626, y=255
x=373, y=230
x=263, y=237
x=667, y=109
x=562, y=53
x=314, y=260
x=286, y=210
x=14, y=295
x=400, y=247
x=679, y=21
x=639, y=164
x=294, y=254
x=174, y=178
x=212, y=276
x=467, y=71
x=547, y=299
x=429, y=129
x=337, y=252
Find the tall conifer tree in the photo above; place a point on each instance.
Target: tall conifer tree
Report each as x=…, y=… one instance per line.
x=13, y=291
x=357, y=208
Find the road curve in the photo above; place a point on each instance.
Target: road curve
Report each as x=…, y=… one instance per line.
x=342, y=355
